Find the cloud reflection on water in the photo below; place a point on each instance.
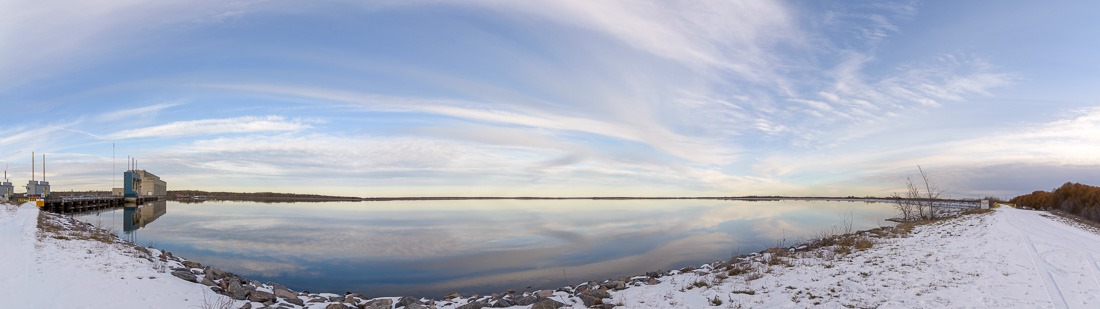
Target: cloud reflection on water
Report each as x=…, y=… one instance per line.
x=473, y=246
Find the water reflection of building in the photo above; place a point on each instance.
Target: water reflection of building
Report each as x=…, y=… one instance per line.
x=134, y=218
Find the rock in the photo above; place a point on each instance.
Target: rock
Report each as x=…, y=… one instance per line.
x=354, y=298
x=190, y=264
x=473, y=305
x=406, y=301
x=185, y=275
x=260, y=296
x=589, y=300
x=415, y=306
x=379, y=303
x=336, y=306
x=284, y=293
x=651, y=281
x=451, y=296
x=547, y=304
x=598, y=294
x=206, y=281
x=526, y=300
x=246, y=306
x=289, y=296
x=615, y=285
x=236, y=291
x=214, y=273
x=544, y=293
x=504, y=303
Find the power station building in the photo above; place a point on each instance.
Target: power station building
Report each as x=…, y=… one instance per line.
x=38, y=189
x=7, y=191
x=138, y=183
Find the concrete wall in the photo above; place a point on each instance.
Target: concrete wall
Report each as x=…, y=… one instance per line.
x=151, y=185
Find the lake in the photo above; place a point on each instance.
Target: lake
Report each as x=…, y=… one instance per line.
x=431, y=248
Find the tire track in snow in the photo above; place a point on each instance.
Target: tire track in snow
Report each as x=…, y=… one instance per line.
x=1049, y=285
x=1044, y=273
x=1095, y=269
x=1063, y=245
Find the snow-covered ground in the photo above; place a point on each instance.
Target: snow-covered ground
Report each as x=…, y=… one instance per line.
x=1007, y=258
x=71, y=273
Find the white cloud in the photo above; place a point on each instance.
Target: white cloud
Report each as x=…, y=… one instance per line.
x=732, y=36
x=246, y=124
x=697, y=149
x=145, y=111
x=45, y=38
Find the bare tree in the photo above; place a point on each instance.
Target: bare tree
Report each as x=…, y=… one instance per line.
x=931, y=192
x=916, y=199
x=905, y=206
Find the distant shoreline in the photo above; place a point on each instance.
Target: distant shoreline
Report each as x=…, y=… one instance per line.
x=195, y=196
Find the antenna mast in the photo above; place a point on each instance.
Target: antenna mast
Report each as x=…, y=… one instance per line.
x=32, y=165
x=43, y=167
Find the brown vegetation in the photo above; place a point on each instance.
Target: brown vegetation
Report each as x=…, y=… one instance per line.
x=1075, y=198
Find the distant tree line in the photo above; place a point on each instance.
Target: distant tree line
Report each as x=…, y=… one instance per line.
x=255, y=196
x=1075, y=198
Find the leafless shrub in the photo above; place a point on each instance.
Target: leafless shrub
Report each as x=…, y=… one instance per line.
x=216, y=302
x=919, y=197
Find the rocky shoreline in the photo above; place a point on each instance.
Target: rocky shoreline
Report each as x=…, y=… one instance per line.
x=248, y=293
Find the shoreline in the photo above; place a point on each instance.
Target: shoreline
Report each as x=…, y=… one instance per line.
x=936, y=263
x=591, y=293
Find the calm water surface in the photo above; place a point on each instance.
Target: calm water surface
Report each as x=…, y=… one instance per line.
x=430, y=248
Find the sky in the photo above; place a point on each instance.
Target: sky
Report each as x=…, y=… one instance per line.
x=554, y=98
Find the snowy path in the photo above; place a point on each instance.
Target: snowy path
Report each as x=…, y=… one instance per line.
x=1063, y=257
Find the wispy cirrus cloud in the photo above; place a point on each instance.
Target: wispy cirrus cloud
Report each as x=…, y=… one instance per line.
x=692, y=148
x=92, y=30
x=731, y=36
x=246, y=124
x=145, y=111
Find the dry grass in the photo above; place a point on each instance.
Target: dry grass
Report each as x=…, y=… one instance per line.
x=746, y=292
x=976, y=211
x=842, y=250
x=863, y=243
x=753, y=276
x=58, y=227
x=737, y=269
x=776, y=256
x=1080, y=221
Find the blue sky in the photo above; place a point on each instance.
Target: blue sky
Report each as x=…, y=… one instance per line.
x=554, y=98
